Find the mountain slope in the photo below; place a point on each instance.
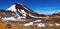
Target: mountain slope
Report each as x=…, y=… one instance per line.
x=22, y=10
x=56, y=13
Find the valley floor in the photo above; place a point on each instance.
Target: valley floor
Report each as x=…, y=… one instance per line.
x=49, y=20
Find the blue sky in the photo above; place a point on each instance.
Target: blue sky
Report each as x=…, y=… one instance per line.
x=39, y=6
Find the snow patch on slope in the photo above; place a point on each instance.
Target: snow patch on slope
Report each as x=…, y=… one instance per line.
x=37, y=21
x=9, y=18
x=57, y=24
x=41, y=25
x=23, y=12
x=28, y=24
x=12, y=8
x=50, y=24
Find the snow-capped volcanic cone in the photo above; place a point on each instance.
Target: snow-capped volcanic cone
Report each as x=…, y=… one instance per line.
x=17, y=12
x=23, y=11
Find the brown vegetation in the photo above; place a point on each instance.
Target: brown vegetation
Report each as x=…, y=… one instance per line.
x=3, y=25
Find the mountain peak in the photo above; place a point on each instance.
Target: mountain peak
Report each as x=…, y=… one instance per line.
x=14, y=7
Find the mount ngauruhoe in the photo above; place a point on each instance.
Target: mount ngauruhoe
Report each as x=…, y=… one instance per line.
x=18, y=11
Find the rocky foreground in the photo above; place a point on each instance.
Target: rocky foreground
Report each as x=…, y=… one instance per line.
x=49, y=23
